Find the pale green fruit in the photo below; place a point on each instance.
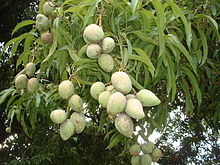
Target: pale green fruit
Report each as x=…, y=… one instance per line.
x=111, y=89
x=66, y=89
x=106, y=62
x=134, y=109
x=8, y=130
x=42, y=22
x=135, y=149
x=79, y=121
x=146, y=159
x=121, y=82
x=130, y=96
x=147, y=98
x=21, y=81
x=116, y=103
x=33, y=84
x=58, y=116
x=93, y=33
x=156, y=154
x=96, y=89
x=148, y=147
x=67, y=129
x=124, y=125
x=108, y=44
x=103, y=98
x=93, y=51
x=76, y=103
x=136, y=160
x=48, y=8
x=30, y=69
x=47, y=38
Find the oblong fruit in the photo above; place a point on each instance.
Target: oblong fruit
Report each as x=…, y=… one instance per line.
x=30, y=69
x=48, y=8
x=66, y=89
x=93, y=51
x=76, y=103
x=146, y=159
x=93, y=33
x=124, y=125
x=156, y=154
x=42, y=22
x=47, y=38
x=33, y=84
x=148, y=147
x=79, y=121
x=67, y=129
x=58, y=116
x=106, y=62
x=96, y=89
x=116, y=103
x=103, y=98
x=121, y=82
x=134, y=109
x=21, y=81
x=147, y=98
x=136, y=160
x=135, y=149
x=108, y=44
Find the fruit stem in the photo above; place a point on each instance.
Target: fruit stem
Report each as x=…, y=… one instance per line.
x=134, y=90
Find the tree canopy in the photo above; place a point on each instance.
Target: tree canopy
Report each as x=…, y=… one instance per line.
x=168, y=47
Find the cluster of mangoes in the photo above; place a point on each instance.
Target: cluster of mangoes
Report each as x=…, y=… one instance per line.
x=99, y=46
x=76, y=123
x=144, y=154
x=27, y=80
x=120, y=103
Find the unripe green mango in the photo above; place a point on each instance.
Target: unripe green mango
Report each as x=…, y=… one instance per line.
x=147, y=98
x=146, y=159
x=135, y=149
x=30, y=69
x=93, y=33
x=134, y=109
x=124, y=125
x=156, y=154
x=79, y=121
x=48, y=8
x=8, y=130
x=106, y=62
x=103, y=98
x=42, y=22
x=136, y=160
x=76, y=103
x=47, y=38
x=108, y=44
x=148, y=147
x=116, y=103
x=66, y=89
x=21, y=81
x=121, y=82
x=67, y=129
x=93, y=51
x=111, y=89
x=96, y=89
x=58, y=116
x=33, y=84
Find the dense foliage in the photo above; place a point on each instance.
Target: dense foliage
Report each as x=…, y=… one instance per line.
x=164, y=46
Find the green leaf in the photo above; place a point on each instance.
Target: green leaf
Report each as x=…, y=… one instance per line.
x=194, y=83
x=160, y=22
x=133, y=5
x=179, y=13
x=22, y=24
x=5, y=93
x=115, y=141
x=102, y=121
x=205, y=46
